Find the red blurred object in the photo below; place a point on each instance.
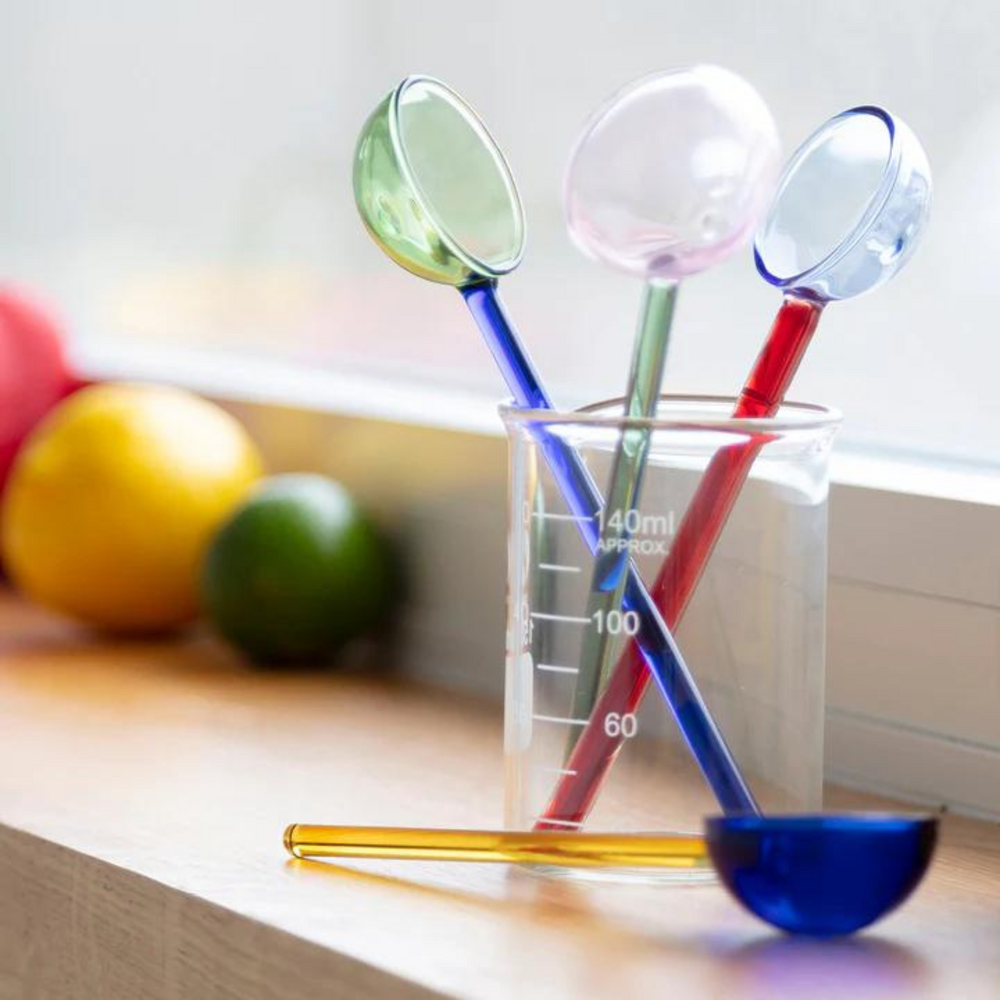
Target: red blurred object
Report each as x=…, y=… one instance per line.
x=34, y=374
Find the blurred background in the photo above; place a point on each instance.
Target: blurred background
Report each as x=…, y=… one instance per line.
x=176, y=179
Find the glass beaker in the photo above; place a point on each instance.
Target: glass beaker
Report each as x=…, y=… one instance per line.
x=752, y=634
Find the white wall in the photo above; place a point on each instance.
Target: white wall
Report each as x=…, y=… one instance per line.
x=181, y=172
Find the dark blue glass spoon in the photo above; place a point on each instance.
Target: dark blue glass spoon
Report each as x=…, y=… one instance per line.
x=821, y=875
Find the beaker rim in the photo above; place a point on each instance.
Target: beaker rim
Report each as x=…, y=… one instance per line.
x=608, y=413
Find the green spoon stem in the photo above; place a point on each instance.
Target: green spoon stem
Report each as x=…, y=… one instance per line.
x=611, y=564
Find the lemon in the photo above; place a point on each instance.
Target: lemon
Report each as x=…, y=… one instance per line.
x=298, y=571
x=114, y=498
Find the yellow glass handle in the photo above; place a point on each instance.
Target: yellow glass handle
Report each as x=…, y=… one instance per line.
x=541, y=847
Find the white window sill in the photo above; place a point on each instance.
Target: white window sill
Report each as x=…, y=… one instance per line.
x=913, y=689
x=283, y=383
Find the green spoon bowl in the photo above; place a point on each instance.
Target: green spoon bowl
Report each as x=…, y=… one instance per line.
x=434, y=190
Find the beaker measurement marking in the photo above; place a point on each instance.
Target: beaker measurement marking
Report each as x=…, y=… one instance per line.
x=558, y=770
x=557, y=822
x=616, y=622
x=559, y=721
x=624, y=725
x=571, y=619
x=636, y=523
x=558, y=568
x=544, y=515
x=555, y=668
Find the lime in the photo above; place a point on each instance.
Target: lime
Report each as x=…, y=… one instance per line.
x=297, y=572
x=114, y=498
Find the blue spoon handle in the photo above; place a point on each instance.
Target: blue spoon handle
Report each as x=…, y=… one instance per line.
x=657, y=645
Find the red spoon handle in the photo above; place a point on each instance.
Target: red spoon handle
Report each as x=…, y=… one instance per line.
x=696, y=537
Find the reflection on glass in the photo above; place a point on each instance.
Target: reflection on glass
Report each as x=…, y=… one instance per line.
x=826, y=197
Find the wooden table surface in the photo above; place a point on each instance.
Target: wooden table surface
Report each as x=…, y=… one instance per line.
x=144, y=788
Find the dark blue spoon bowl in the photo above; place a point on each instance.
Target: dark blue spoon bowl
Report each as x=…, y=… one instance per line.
x=821, y=875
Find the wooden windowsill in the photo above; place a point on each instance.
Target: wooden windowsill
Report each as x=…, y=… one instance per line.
x=144, y=787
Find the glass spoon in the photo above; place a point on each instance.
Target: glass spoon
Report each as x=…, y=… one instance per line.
x=847, y=214
x=668, y=177
x=436, y=194
x=816, y=876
